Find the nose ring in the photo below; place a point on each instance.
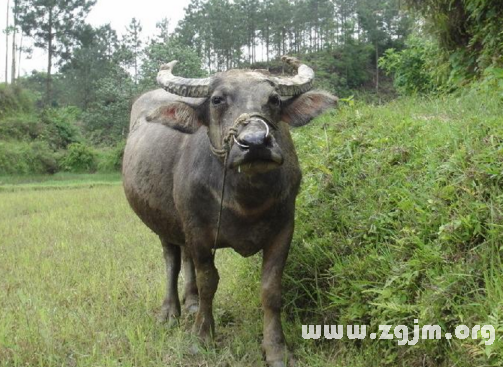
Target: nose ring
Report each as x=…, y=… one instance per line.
x=244, y=146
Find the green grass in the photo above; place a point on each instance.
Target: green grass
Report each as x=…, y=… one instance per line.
x=81, y=279
x=400, y=217
x=62, y=180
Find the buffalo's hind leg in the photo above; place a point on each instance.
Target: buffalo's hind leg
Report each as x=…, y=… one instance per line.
x=170, y=310
x=191, y=296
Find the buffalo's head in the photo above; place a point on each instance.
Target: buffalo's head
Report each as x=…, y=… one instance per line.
x=244, y=111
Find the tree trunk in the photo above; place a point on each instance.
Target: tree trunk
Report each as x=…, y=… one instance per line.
x=267, y=45
x=7, y=44
x=13, y=68
x=48, y=84
x=20, y=54
x=377, y=68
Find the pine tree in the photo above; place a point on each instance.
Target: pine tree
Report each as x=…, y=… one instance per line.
x=51, y=24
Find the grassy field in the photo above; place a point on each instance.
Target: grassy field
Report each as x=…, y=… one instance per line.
x=82, y=279
x=400, y=218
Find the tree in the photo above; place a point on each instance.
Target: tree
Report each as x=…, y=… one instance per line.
x=14, y=31
x=131, y=47
x=468, y=32
x=52, y=23
x=7, y=44
x=157, y=53
x=92, y=59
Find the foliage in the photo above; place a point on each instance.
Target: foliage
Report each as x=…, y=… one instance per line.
x=411, y=68
x=219, y=30
x=110, y=160
x=491, y=83
x=80, y=158
x=400, y=220
x=158, y=53
x=469, y=34
x=106, y=120
x=95, y=56
x=27, y=157
x=61, y=128
x=14, y=99
x=51, y=24
x=131, y=47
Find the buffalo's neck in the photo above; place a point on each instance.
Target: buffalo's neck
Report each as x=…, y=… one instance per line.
x=253, y=190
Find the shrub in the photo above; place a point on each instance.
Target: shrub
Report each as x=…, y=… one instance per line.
x=23, y=127
x=23, y=157
x=410, y=69
x=111, y=160
x=61, y=129
x=14, y=99
x=80, y=158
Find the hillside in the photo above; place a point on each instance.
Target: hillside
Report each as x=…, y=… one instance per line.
x=399, y=218
x=47, y=140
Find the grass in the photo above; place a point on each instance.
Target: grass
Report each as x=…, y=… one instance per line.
x=62, y=180
x=81, y=279
x=400, y=217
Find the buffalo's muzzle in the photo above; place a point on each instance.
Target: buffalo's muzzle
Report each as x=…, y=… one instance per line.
x=255, y=149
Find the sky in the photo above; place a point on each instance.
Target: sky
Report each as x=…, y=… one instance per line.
x=116, y=12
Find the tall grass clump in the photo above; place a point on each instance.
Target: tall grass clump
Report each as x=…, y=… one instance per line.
x=14, y=99
x=400, y=217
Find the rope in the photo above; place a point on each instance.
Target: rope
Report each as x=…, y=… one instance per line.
x=224, y=153
x=222, y=192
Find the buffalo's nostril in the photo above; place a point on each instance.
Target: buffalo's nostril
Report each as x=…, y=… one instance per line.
x=253, y=139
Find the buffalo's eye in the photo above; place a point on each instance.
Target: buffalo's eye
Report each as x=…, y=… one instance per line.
x=275, y=100
x=217, y=100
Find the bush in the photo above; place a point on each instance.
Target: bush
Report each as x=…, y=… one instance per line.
x=22, y=158
x=410, y=69
x=80, y=158
x=22, y=127
x=14, y=99
x=111, y=160
x=61, y=129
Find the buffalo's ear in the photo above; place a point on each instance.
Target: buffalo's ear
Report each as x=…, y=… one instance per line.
x=302, y=109
x=178, y=116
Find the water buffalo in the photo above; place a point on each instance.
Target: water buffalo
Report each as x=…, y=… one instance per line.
x=197, y=140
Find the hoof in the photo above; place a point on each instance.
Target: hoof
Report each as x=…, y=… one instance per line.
x=169, y=322
x=291, y=363
x=191, y=304
x=278, y=356
x=166, y=316
x=192, y=308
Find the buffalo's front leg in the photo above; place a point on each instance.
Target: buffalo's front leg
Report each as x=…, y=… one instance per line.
x=191, y=297
x=170, y=310
x=274, y=259
x=207, y=282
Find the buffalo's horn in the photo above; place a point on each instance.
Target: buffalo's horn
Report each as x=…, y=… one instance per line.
x=298, y=84
x=195, y=88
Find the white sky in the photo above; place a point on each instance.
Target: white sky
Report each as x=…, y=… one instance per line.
x=116, y=12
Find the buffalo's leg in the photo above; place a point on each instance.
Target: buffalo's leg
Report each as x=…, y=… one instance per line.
x=190, y=297
x=207, y=282
x=274, y=259
x=170, y=310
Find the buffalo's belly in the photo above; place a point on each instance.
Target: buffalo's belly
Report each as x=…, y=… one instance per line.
x=248, y=238
x=148, y=182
